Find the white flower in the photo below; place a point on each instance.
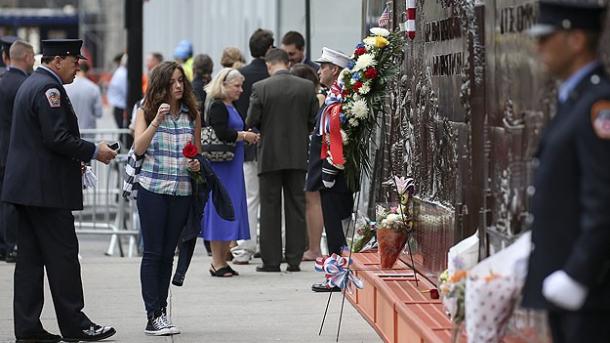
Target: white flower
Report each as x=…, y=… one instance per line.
x=369, y=42
x=355, y=97
x=353, y=122
x=365, y=61
x=378, y=31
x=359, y=109
x=393, y=218
x=365, y=88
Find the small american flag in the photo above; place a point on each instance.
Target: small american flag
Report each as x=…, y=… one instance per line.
x=384, y=19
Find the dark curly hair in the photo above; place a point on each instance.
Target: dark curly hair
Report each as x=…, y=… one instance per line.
x=158, y=91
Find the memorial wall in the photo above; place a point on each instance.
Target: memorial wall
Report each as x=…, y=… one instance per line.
x=464, y=118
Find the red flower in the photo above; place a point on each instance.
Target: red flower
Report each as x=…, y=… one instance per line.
x=357, y=85
x=370, y=73
x=190, y=150
x=360, y=51
x=434, y=293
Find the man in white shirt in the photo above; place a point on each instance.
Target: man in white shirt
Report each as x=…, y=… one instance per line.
x=86, y=98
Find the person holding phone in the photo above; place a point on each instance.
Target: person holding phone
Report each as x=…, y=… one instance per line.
x=43, y=180
x=166, y=122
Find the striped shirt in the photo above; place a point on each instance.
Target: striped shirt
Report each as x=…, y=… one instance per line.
x=164, y=167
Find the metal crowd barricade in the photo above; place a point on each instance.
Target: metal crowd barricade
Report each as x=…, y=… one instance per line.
x=105, y=211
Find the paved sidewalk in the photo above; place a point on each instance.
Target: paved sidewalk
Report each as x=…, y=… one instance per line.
x=253, y=307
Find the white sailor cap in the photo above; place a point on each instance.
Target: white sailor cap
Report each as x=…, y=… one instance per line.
x=334, y=57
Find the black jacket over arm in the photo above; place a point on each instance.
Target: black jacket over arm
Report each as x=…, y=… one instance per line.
x=218, y=118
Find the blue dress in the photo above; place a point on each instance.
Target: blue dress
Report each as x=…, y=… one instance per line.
x=231, y=175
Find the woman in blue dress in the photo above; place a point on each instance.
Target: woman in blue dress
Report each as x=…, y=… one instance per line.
x=228, y=125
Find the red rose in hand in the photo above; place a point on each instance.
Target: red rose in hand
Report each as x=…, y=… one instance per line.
x=360, y=51
x=189, y=150
x=357, y=85
x=370, y=73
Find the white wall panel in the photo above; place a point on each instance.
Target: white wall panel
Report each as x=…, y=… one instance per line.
x=213, y=25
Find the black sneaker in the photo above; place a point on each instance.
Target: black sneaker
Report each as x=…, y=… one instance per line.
x=92, y=334
x=42, y=337
x=172, y=328
x=157, y=327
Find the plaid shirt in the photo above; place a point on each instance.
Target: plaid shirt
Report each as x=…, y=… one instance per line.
x=164, y=167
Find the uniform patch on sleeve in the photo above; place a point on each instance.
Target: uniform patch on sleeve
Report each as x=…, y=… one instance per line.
x=600, y=118
x=54, y=97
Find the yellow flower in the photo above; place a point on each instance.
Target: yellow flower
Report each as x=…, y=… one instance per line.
x=381, y=42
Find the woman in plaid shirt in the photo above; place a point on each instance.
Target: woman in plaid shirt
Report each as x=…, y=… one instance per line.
x=165, y=123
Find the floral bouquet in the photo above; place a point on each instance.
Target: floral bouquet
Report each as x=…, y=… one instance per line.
x=395, y=221
x=453, y=293
x=493, y=289
x=354, y=101
x=365, y=232
x=190, y=151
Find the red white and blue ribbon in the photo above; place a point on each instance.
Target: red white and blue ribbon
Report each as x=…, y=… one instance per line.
x=410, y=24
x=337, y=272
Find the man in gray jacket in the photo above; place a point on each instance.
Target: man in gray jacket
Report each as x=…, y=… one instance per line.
x=283, y=107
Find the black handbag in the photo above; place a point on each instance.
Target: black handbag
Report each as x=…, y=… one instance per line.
x=212, y=148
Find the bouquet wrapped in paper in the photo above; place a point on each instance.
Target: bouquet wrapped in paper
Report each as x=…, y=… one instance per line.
x=492, y=291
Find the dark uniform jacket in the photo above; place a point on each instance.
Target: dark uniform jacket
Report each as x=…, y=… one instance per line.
x=283, y=107
x=45, y=152
x=9, y=84
x=314, y=167
x=253, y=72
x=571, y=204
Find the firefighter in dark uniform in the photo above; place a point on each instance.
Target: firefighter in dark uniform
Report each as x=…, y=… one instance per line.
x=6, y=244
x=336, y=198
x=43, y=180
x=21, y=65
x=569, y=268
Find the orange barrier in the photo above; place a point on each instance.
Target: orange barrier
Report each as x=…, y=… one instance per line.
x=397, y=308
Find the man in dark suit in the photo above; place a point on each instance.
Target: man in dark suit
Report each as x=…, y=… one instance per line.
x=22, y=64
x=294, y=45
x=569, y=268
x=43, y=180
x=260, y=42
x=283, y=107
x=5, y=45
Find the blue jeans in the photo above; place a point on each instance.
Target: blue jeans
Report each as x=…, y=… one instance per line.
x=162, y=218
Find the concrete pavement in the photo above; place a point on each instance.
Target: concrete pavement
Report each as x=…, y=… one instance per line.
x=253, y=307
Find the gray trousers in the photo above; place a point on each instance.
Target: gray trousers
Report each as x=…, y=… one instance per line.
x=292, y=183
